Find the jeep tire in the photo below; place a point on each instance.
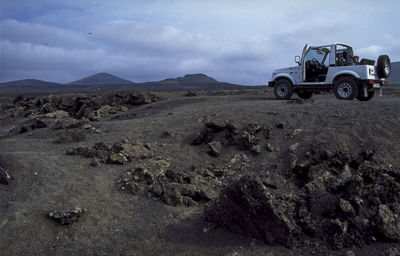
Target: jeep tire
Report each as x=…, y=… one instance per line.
x=305, y=95
x=361, y=96
x=283, y=89
x=383, y=66
x=346, y=89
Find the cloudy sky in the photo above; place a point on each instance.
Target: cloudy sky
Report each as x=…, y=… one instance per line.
x=238, y=41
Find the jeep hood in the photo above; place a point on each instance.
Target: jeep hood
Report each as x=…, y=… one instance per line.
x=285, y=70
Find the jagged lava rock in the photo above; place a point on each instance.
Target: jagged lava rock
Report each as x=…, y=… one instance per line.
x=67, y=217
x=250, y=208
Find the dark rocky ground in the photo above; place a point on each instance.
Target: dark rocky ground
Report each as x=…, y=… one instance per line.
x=199, y=173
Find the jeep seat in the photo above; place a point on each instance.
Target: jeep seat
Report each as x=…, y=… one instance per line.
x=367, y=62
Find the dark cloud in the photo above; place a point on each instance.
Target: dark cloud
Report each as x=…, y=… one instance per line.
x=142, y=42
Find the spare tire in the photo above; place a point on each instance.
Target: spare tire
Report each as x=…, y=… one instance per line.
x=383, y=66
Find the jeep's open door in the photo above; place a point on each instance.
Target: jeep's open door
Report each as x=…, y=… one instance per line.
x=303, y=65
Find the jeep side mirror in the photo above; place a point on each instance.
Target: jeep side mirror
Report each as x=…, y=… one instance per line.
x=297, y=59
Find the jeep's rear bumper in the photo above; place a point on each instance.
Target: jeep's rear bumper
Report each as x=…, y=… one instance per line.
x=373, y=83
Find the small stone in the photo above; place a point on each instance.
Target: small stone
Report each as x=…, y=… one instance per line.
x=347, y=208
x=38, y=124
x=267, y=132
x=269, y=147
x=5, y=178
x=297, y=131
x=137, y=151
x=280, y=125
x=235, y=159
x=216, y=127
x=95, y=162
x=214, y=148
x=326, y=155
x=171, y=195
x=293, y=148
x=190, y=94
x=68, y=216
x=255, y=149
x=165, y=134
x=118, y=158
x=59, y=114
x=246, y=140
x=367, y=154
x=392, y=252
x=388, y=222
x=349, y=253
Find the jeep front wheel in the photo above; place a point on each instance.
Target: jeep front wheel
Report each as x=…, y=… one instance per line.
x=283, y=89
x=346, y=89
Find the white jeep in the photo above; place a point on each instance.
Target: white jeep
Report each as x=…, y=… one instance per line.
x=331, y=67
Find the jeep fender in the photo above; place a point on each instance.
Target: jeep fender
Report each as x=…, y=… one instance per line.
x=284, y=76
x=346, y=72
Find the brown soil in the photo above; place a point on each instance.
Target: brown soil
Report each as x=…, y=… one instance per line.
x=145, y=212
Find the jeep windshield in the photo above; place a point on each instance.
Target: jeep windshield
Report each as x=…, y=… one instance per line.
x=321, y=54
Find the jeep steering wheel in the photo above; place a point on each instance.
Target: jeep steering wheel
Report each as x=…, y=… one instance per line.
x=316, y=61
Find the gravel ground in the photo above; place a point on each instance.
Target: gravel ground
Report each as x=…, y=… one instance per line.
x=43, y=178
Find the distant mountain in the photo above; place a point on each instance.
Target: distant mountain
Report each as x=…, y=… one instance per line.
x=394, y=77
x=29, y=82
x=30, y=86
x=101, y=79
x=107, y=82
x=190, y=79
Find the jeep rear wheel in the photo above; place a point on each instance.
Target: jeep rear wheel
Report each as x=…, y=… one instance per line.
x=305, y=95
x=361, y=96
x=283, y=89
x=346, y=89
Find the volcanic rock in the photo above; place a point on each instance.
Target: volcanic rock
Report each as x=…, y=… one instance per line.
x=250, y=208
x=347, y=208
x=32, y=124
x=216, y=127
x=59, y=114
x=94, y=107
x=214, y=148
x=67, y=217
x=389, y=223
x=70, y=135
x=280, y=125
x=392, y=252
x=269, y=147
x=5, y=178
x=190, y=94
x=94, y=162
x=205, y=136
x=255, y=149
x=117, y=158
x=171, y=186
x=117, y=153
x=18, y=99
